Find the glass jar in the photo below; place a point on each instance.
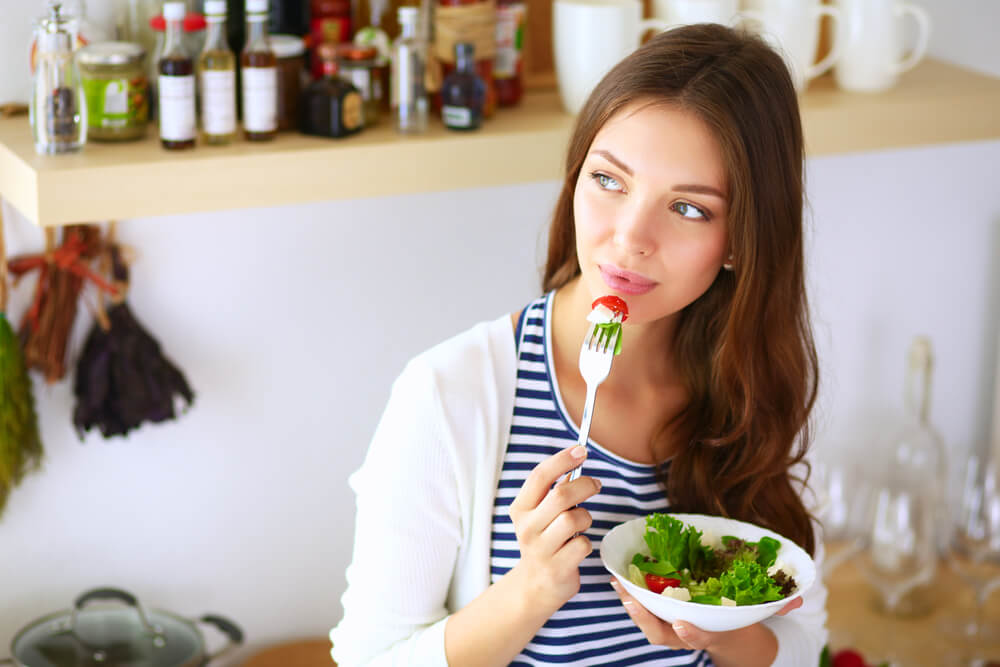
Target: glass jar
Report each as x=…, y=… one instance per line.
x=290, y=52
x=357, y=66
x=114, y=82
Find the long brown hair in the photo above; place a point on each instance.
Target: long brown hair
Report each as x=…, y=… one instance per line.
x=744, y=348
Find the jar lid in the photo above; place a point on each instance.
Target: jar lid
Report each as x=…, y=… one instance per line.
x=287, y=46
x=110, y=53
x=349, y=51
x=174, y=11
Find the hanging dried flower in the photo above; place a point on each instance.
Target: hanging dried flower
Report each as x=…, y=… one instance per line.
x=122, y=377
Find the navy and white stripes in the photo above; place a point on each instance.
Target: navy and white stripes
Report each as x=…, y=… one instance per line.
x=592, y=628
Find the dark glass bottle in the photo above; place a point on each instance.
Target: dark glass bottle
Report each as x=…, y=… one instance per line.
x=259, y=68
x=463, y=92
x=176, y=84
x=330, y=106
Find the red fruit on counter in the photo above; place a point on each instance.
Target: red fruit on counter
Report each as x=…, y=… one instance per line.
x=848, y=658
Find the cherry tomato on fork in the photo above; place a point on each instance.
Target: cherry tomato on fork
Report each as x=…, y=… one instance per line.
x=613, y=303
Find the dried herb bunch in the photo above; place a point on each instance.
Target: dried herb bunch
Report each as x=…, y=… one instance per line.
x=48, y=322
x=122, y=377
x=20, y=444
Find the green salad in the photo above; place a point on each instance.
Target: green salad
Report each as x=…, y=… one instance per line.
x=680, y=566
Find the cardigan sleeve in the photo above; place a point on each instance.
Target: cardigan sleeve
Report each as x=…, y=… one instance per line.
x=407, y=534
x=802, y=633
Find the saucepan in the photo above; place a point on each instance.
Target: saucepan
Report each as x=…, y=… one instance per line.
x=121, y=635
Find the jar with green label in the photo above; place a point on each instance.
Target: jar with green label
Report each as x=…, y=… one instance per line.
x=113, y=77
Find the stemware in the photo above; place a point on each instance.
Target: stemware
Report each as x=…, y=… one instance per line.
x=974, y=545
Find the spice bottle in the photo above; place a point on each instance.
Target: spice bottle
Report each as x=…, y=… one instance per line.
x=289, y=52
x=357, y=65
x=329, y=22
x=331, y=107
x=468, y=21
x=463, y=92
x=176, y=83
x=508, y=67
x=58, y=108
x=217, y=77
x=409, y=53
x=260, y=77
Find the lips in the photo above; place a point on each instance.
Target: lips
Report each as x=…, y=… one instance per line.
x=626, y=282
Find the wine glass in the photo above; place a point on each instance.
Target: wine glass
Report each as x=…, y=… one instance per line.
x=974, y=545
x=900, y=553
x=845, y=497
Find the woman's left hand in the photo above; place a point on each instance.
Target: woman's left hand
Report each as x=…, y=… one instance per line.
x=680, y=634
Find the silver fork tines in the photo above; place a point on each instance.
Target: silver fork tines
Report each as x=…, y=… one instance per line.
x=595, y=364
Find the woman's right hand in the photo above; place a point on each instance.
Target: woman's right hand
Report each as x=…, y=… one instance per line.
x=549, y=526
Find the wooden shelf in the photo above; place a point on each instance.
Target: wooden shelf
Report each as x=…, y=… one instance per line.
x=934, y=103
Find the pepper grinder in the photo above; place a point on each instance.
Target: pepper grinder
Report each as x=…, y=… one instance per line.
x=58, y=106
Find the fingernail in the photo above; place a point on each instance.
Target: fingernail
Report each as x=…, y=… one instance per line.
x=598, y=482
x=615, y=585
x=681, y=630
x=579, y=452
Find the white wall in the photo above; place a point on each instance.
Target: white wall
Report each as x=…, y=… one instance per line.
x=291, y=323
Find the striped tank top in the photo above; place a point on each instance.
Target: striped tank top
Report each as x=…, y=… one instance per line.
x=592, y=628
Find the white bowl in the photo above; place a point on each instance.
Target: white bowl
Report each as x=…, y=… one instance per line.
x=625, y=540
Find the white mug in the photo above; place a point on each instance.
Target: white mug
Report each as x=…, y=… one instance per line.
x=871, y=38
x=684, y=12
x=792, y=28
x=589, y=38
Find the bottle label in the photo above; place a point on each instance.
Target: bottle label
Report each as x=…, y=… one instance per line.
x=116, y=103
x=176, y=107
x=510, y=40
x=456, y=116
x=352, y=108
x=260, y=99
x=218, y=102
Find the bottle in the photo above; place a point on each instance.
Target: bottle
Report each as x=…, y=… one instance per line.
x=508, y=66
x=409, y=53
x=288, y=17
x=329, y=22
x=467, y=21
x=217, y=78
x=331, y=107
x=260, y=77
x=58, y=107
x=176, y=86
x=918, y=464
x=463, y=92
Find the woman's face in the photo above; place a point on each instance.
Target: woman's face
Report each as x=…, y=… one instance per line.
x=650, y=210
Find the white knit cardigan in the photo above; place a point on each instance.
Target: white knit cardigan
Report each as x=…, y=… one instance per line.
x=425, y=497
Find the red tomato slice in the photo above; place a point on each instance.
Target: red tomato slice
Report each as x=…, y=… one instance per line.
x=613, y=303
x=656, y=583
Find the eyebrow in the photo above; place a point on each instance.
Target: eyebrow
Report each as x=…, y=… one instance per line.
x=687, y=187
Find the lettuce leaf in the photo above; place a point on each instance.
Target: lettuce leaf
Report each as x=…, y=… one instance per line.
x=747, y=582
x=607, y=330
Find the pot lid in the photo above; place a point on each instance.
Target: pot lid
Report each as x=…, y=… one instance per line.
x=104, y=636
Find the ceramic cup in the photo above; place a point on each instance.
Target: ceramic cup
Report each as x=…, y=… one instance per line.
x=871, y=40
x=792, y=28
x=589, y=38
x=684, y=12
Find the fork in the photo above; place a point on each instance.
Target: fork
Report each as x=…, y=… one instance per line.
x=596, y=355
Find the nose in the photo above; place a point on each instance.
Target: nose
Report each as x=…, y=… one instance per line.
x=634, y=229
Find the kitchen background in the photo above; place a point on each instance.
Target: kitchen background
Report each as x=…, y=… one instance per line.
x=291, y=323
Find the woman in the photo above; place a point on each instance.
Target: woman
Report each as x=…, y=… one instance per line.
x=683, y=196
